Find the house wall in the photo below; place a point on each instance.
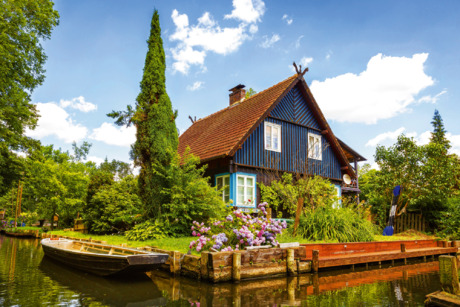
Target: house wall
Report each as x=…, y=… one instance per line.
x=296, y=121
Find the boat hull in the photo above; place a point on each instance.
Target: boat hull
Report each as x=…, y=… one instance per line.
x=103, y=264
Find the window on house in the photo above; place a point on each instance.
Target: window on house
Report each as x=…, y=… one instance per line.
x=245, y=190
x=314, y=146
x=272, y=137
x=223, y=182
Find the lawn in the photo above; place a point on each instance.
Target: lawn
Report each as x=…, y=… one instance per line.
x=176, y=244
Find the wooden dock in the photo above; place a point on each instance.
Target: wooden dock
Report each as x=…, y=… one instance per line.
x=327, y=255
x=292, y=261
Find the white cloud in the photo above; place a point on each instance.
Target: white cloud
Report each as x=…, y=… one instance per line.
x=432, y=99
x=195, y=86
x=78, y=103
x=390, y=135
x=54, y=120
x=269, y=42
x=305, y=61
x=287, y=19
x=328, y=55
x=249, y=11
x=385, y=89
x=455, y=142
x=112, y=135
x=194, y=42
x=297, y=42
x=94, y=159
x=253, y=29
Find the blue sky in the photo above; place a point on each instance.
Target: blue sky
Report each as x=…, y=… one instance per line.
x=376, y=68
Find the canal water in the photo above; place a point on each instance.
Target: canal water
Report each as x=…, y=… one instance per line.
x=28, y=278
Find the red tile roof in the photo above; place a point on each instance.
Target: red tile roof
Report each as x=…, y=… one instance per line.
x=220, y=134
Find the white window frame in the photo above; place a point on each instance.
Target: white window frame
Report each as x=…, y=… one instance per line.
x=311, y=149
x=246, y=195
x=270, y=146
x=225, y=196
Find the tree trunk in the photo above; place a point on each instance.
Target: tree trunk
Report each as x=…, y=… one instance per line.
x=298, y=214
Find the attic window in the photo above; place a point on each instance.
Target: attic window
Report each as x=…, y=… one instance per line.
x=314, y=146
x=272, y=137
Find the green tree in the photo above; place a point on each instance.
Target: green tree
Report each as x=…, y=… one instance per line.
x=283, y=195
x=438, y=135
x=24, y=24
x=156, y=135
x=114, y=207
x=188, y=195
x=427, y=175
x=55, y=184
x=250, y=93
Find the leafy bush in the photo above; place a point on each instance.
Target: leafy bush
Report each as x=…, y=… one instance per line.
x=283, y=194
x=189, y=195
x=450, y=220
x=341, y=225
x=114, y=207
x=236, y=231
x=29, y=217
x=147, y=231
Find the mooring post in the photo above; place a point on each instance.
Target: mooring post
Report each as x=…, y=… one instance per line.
x=236, y=269
x=204, y=265
x=315, y=260
x=392, y=262
x=290, y=262
x=174, y=265
x=424, y=258
x=449, y=274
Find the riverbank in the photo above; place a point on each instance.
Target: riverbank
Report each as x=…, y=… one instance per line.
x=181, y=244
x=287, y=260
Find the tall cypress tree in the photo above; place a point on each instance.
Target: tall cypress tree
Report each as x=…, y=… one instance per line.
x=156, y=136
x=438, y=135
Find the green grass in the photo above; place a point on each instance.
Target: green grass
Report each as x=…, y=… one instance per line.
x=181, y=244
x=173, y=244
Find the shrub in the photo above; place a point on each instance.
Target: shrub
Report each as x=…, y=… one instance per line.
x=284, y=194
x=341, y=225
x=450, y=220
x=113, y=208
x=147, y=231
x=189, y=195
x=236, y=231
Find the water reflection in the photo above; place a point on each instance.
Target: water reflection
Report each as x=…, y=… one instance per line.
x=27, y=278
x=387, y=286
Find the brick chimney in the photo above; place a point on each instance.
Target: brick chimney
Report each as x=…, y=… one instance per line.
x=237, y=94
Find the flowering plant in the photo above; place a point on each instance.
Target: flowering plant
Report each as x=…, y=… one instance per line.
x=236, y=231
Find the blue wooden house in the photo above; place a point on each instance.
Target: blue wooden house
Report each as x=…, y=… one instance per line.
x=254, y=140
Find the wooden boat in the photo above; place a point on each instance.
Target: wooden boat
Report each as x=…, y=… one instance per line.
x=101, y=259
x=21, y=234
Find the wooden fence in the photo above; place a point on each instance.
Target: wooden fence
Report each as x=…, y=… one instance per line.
x=408, y=221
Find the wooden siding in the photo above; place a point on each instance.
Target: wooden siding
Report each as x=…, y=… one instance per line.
x=293, y=155
x=293, y=108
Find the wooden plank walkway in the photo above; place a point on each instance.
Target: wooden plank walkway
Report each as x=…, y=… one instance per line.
x=343, y=254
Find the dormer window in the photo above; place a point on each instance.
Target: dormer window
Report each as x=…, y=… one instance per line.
x=272, y=137
x=314, y=146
